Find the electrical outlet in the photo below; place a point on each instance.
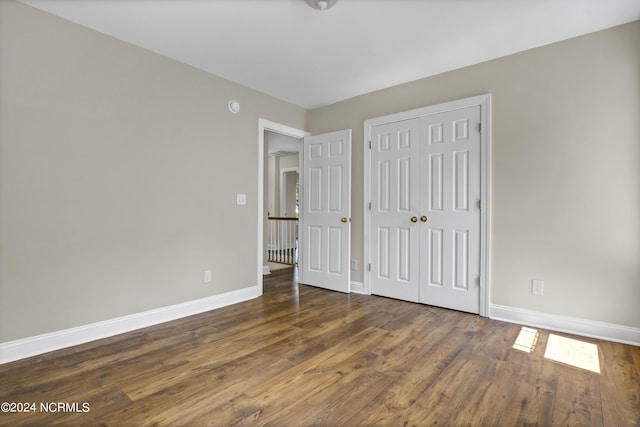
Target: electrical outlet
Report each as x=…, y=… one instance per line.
x=354, y=264
x=537, y=287
x=207, y=276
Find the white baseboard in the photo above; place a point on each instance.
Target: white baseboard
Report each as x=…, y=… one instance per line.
x=32, y=346
x=357, y=287
x=571, y=325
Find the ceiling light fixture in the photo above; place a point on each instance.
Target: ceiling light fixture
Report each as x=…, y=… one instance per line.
x=321, y=4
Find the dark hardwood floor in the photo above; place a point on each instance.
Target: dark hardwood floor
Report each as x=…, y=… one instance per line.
x=301, y=356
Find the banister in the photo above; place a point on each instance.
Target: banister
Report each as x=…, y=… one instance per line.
x=282, y=240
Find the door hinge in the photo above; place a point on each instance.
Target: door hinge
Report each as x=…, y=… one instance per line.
x=369, y=205
x=479, y=127
x=369, y=144
x=478, y=280
x=369, y=268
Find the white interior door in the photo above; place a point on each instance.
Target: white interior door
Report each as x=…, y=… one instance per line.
x=450, y=210
x=326, y=219
x=395, y=205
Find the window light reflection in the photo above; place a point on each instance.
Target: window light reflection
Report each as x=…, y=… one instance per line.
x=526, y=340
x=572, y=352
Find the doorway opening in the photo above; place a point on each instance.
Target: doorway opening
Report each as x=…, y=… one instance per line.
x=281, y=190
x=278, y=145
x=324, y=195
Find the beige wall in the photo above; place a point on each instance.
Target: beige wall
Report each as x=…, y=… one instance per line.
x=291, y=181
x=290, y=161
x=274, y=164
x=565, y=169
x=270, y=188
x=267, y=183
x=118, y=175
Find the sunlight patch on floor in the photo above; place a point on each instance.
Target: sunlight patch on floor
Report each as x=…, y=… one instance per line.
x=526, y=340
x=572, y=352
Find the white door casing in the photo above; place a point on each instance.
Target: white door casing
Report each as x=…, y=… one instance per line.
x=454, y=240
x=326, y=218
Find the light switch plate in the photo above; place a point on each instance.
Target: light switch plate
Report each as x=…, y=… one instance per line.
x=537, y=287
x=241, y=199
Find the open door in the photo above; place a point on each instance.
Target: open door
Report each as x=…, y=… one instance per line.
x=326, y=218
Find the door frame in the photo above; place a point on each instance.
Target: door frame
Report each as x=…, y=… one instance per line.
x=268, y=125
x=484, y=102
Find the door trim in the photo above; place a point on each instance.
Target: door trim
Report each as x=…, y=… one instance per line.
x=484, y=101
x=264, y=125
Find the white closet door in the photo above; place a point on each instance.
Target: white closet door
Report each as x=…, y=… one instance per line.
x=395, y=209
x=450, y=210
x=425, y=212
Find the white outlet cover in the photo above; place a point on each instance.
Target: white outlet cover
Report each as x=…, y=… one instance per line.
x=241, y=199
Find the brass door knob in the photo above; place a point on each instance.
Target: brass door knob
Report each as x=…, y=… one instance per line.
x=344, y=219
x=423, y=218
x=414, y=219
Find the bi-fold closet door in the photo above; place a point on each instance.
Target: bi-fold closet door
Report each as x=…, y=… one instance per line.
x=425, y=210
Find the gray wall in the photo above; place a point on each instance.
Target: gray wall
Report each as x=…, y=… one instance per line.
x=566, y=175
x=118, y=175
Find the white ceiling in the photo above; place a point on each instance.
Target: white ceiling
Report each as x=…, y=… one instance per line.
x=282, y=145
x=310, y=58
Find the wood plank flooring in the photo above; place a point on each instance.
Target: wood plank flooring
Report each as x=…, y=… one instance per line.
x=302, y=356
